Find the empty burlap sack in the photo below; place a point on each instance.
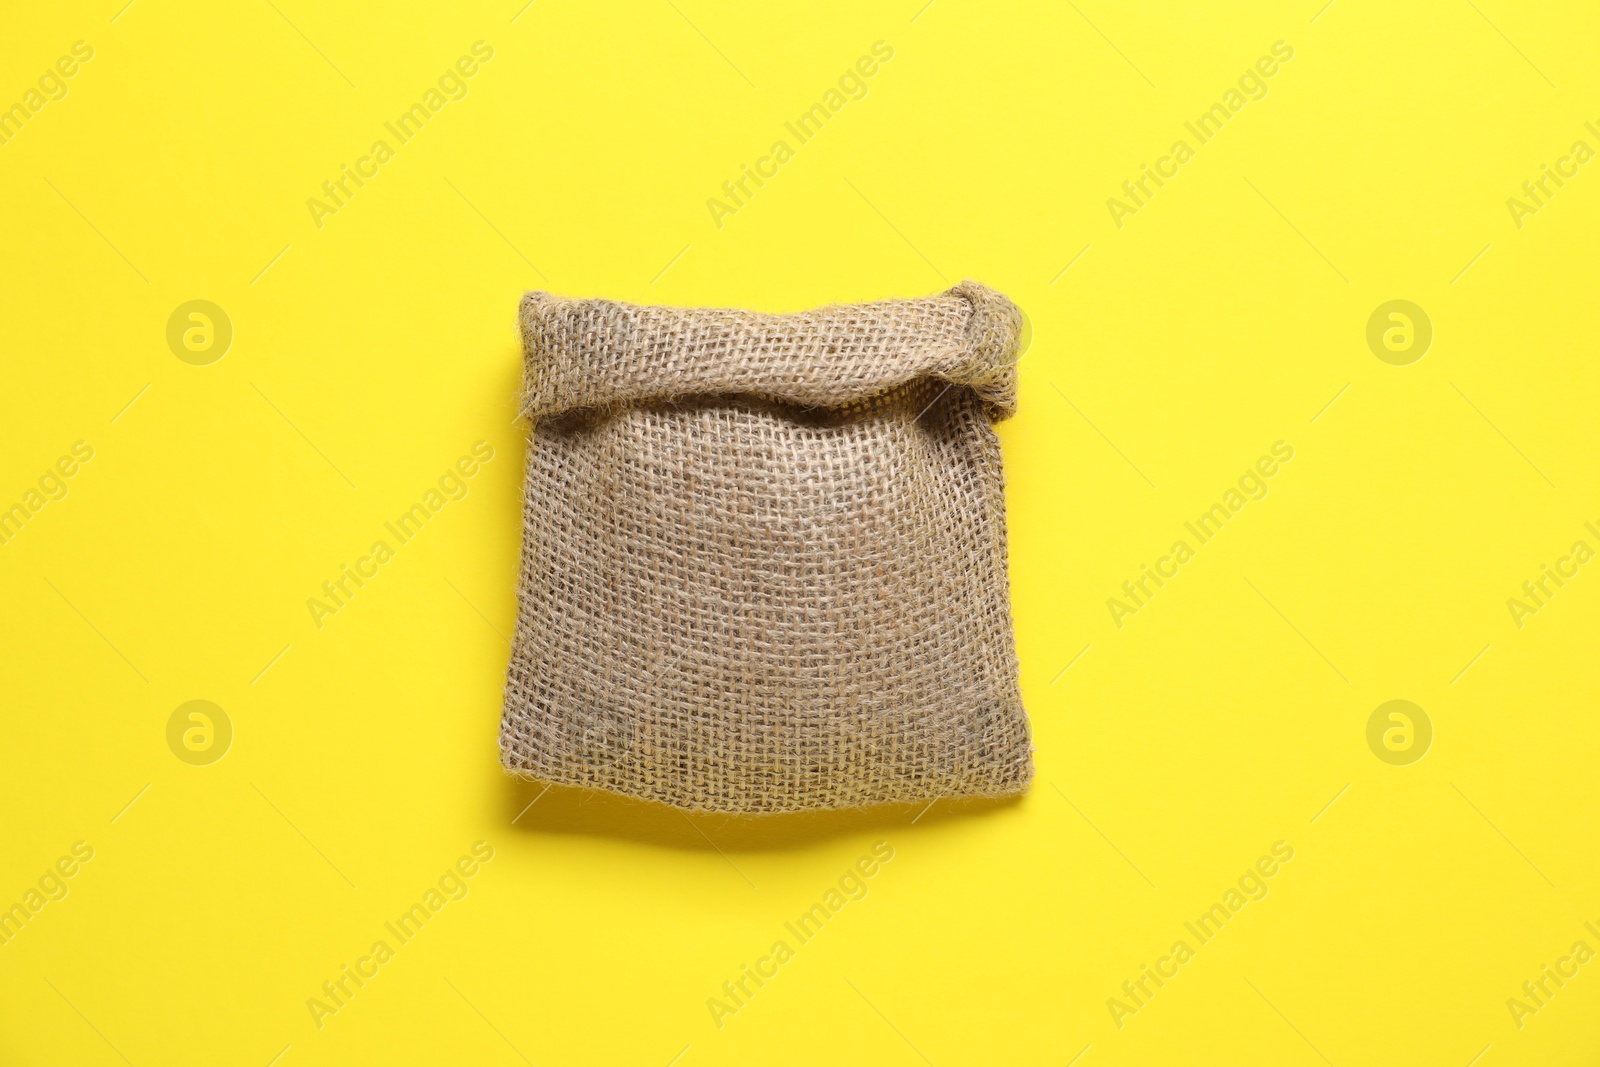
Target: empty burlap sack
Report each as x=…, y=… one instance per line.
x=764, y=556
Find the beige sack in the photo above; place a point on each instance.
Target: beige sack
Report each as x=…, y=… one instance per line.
x=764, y=556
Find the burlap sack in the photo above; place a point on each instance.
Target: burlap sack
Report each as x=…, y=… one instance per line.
x=764, y=556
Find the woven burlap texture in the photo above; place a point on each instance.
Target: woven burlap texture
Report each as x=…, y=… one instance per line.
x=764, y=556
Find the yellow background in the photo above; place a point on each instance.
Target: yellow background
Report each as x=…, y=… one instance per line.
x=1225, y=716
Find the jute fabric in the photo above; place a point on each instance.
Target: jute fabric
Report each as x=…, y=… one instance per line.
x=764, y=555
